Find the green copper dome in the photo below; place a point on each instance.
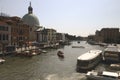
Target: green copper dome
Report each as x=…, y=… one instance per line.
x=31, y=20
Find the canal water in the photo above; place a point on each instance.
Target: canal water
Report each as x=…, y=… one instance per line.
x=46, y=66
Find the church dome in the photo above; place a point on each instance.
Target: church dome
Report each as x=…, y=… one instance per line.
x=30, y=18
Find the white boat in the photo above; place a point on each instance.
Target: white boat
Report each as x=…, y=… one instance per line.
x=89, y=60
x=104, y=75
x=111, y=54
x=2, y=60
x=43, y=51
x=115, y=66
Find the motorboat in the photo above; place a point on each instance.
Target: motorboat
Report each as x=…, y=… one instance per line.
x=43, y=51
x=26, y=53
x=115, y=66
x=111, y=54
x=78, y=41
x=89, y=60
x=2, y=60
x=60, y=54
x=102, y=75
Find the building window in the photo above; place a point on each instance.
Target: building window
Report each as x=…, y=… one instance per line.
x=6, y=37
x=30, y=29
x=3, y=36
x=0, y=27
x=0, y=37
x=6, y=28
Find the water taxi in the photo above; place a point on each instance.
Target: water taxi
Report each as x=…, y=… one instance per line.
x=2, y=60
x=60, y=54
x=103, y=75
x=89, y=60
x=111, y=54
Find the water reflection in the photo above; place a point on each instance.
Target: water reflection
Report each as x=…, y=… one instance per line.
x=46, y=66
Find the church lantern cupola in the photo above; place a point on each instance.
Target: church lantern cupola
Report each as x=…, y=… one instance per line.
x=30, y=9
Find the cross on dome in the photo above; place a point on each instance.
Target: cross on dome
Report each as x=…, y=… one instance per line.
x=30, y=9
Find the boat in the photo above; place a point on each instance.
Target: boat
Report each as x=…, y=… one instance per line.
x=78, y=41
x=102, y=75
x=60, y=54
x=26, y=53
x=89, y=60
x=111, y=54
x=2, y=60
x=103, y=44
x=43, y=51
x=115, y=66
x=78, y=47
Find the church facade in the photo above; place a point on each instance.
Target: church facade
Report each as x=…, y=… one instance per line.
x=31, y=20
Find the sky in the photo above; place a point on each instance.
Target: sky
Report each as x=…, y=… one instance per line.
x=75, y=17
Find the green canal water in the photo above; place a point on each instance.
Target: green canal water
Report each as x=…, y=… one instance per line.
x=47, y=66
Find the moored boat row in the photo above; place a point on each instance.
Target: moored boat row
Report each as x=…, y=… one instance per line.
x=30, y=53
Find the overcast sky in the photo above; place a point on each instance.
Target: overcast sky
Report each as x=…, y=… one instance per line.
x=76, y=17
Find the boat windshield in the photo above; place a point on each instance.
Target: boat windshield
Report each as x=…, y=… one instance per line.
x=82, y=63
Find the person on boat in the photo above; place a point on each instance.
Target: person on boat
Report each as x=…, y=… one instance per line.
x=60, y=52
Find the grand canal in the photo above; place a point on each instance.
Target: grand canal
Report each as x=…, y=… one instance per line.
x=46, y=66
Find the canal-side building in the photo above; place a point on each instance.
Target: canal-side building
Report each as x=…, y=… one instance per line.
x=5, y=35
x=41, y=35
x=18, y=32
x=98, y=38
x=107, y=35
x=51, y=36
x=33, y=22
x=91, y=37
x=60, y=37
